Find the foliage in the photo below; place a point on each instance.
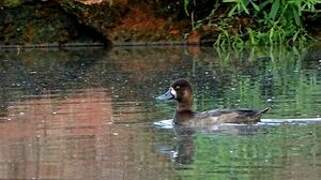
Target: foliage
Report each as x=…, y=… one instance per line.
x=11, y=3
x=271, y=21
x=278, y=20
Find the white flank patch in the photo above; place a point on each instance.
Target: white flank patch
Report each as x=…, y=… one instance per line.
x=164, y=124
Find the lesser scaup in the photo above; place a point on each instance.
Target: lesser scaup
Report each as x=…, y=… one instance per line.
x=181, y=91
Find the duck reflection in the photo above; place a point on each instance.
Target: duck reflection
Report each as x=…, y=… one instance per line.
x=180, y=146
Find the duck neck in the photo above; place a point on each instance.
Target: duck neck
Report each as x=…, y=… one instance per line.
x=185, y=105
x=184, y=111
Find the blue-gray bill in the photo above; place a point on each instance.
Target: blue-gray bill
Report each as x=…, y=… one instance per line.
x=166, y=96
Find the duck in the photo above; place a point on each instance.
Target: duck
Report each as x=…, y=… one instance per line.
x=181, y=91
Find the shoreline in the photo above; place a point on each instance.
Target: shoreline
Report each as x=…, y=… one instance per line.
x=115, y=44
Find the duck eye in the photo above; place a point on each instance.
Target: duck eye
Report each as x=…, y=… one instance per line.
x=177, y=87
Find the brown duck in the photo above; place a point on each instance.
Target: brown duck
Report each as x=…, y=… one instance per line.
x=181, y=91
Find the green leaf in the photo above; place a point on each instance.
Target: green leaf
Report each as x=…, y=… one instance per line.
x=274, y=9
x=232, y=11
x=228, y=1
x=271, y=35
x=186, y=3
x=295, y=36
x=244, y=7
x=256, y=7
x=296, y=15
x=263, y=4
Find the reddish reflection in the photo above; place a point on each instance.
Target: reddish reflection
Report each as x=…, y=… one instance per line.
x=74, y=137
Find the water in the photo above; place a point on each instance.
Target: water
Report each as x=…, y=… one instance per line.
x=89, y=114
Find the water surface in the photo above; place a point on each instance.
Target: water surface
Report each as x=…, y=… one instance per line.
x=89, y=113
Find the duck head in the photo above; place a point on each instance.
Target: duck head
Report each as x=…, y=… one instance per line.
x=181, y=91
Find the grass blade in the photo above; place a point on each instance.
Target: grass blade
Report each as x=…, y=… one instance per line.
x=274, y=9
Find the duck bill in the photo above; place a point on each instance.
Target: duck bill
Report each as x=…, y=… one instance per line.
x=166, y=96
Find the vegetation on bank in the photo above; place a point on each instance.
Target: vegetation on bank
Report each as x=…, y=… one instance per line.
x=254, y=22
x=11, y=3
x=222, y=22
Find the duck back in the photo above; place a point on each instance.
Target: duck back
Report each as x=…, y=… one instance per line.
x=244, y=116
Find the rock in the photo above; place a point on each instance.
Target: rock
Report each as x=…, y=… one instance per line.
x=117, y=21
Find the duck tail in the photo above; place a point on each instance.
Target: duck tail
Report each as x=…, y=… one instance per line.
x=263, y=111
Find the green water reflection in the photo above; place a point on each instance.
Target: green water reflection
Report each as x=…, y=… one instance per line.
x=64, y=111
x=279, y=153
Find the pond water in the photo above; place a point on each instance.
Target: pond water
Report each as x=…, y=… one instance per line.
x=89, y=113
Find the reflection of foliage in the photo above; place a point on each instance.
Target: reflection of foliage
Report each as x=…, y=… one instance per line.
x=255, y=78
x=264, y=77
x=262, y=156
